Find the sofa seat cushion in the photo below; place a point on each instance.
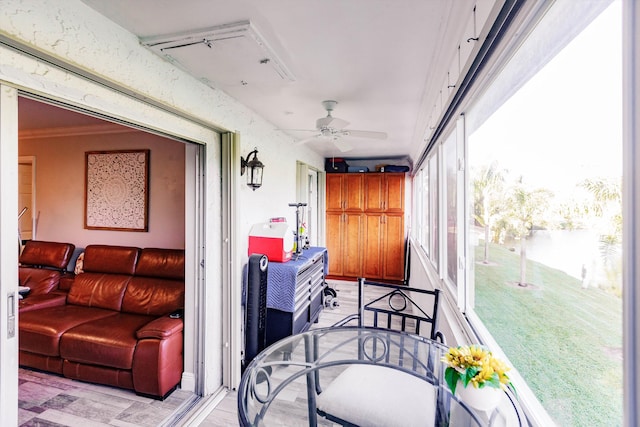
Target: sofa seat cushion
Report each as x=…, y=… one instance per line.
x=107, y=342
x=37, y=302
x=41, y=330
x=39, y=280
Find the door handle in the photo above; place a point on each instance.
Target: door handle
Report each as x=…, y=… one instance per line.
x=11, y=315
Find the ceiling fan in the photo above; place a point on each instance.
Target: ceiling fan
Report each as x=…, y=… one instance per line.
x=333, y=128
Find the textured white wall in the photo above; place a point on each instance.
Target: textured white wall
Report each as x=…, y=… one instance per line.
x=74, y=33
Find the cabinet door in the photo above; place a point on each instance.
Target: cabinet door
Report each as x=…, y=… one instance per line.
x=393, y=266
x=335, y=188
x=373, y=246
x=374, y=192
x=352, y=244
x=334, y=242
x=394, y=193
x=353, y=189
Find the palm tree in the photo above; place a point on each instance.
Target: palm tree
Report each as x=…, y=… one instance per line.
x=487, y=189
x=606, y=207
x=524, y=208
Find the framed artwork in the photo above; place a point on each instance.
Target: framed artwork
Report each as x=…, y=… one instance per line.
x=116, y=190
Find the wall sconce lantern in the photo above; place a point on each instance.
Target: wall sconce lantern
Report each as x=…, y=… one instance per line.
x=255, y=166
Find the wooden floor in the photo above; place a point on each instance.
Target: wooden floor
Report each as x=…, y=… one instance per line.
x=225, y=414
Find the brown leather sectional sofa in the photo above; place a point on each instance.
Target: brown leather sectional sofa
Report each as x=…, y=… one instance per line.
x=115, y=325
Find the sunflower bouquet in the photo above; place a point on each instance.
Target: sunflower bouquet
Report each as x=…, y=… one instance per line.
x=474, y=365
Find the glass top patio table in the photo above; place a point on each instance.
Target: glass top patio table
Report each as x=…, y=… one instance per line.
x=285, y=383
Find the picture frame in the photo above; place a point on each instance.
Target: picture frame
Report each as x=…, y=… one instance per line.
x=117, y=190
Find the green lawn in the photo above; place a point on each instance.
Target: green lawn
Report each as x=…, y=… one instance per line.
x=564, y=340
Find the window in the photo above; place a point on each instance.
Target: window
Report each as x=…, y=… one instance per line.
x=451, y=208
x=537, y=218
x=545, y=172
x=432, y=208
x=416, y=208
x=426, y=224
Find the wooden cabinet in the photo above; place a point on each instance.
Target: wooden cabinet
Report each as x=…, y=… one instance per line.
x=374, y=244
x=344, y=236
x=384, y=192
x=344, y=192
x=394, y=247
x=365, y=225
x=383, y=247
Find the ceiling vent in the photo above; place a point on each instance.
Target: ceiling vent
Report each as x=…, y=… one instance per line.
x=228, y=55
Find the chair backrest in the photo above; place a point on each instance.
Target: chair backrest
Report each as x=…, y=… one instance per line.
x=397, y=307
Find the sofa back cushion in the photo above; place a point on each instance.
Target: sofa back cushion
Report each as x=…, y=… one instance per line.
x=153, y=296
x=110, y=259
x=102, y=290
x=158, y=285
x=37, y=253
x=162, y=263
x=107, y=273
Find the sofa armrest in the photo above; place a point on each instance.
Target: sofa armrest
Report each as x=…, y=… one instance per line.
x=160, y=328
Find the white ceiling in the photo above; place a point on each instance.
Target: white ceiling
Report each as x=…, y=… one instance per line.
x=383, y=60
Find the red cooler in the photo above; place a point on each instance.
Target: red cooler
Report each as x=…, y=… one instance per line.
x=275, y=240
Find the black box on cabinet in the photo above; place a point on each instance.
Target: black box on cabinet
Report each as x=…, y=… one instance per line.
x=335, y=165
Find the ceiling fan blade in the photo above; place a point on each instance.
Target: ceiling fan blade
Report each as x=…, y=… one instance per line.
x=364, y=134
x=298, y=130
x=331, y=122
x=342, y=145
x=305, y=140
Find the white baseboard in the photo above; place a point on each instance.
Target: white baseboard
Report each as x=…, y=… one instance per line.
x=188, y=382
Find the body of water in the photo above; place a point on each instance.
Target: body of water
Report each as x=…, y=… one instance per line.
x=573, y=251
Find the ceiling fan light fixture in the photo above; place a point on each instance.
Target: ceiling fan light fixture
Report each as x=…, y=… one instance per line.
x=326, y=132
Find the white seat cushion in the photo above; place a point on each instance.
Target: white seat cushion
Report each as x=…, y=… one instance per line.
x=371, y=395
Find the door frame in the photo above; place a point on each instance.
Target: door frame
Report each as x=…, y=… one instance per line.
x=9, y=255
x=32, y=161
x=303, y=194
x=82, y=92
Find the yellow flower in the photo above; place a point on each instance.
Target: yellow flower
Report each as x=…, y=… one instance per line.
x=475, y=365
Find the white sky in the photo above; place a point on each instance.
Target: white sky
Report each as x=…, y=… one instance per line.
x=565, y=124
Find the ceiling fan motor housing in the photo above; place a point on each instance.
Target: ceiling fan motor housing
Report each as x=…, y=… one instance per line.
x=329, y=105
